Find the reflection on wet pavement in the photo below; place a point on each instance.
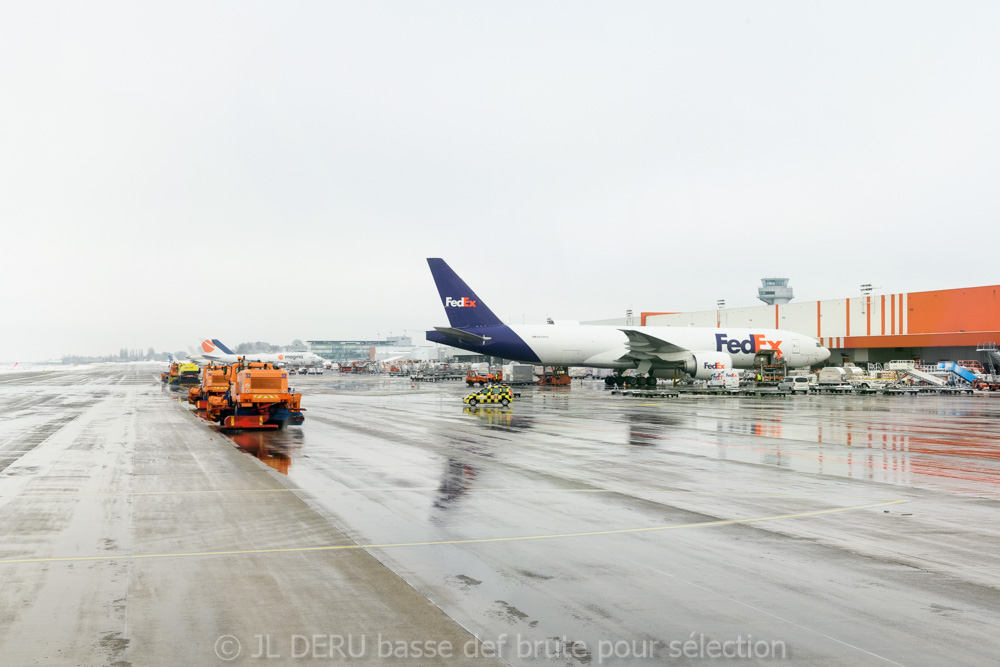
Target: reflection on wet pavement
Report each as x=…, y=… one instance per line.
x=495, y=416
x=457, y=479
x=135, y=533
x=564, y=462
x=855, y=530
x=275, y=448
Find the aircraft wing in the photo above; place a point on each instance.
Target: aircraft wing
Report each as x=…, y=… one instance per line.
x=644, y=346
x=648, y=350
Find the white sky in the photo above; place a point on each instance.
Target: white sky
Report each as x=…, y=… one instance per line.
x=269, y=171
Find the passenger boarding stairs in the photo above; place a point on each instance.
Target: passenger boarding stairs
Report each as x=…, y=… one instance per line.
x=909, y=368
x=960, y=371
x=992, y=355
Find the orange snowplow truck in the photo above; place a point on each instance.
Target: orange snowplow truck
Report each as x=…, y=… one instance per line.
x=257, y=397
x=171, y=375
x=214, y=380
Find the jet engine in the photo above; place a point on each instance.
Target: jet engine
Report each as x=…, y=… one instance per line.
x=703, y=364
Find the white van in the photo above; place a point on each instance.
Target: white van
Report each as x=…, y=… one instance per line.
x=795, y=383
x=725, y=379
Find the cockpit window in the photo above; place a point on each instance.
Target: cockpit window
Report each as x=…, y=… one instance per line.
x=818, y=345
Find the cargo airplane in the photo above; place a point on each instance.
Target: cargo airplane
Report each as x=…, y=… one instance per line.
x=215, y=352
x=658, y=351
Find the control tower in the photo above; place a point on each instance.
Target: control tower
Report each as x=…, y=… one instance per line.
x=774, y=290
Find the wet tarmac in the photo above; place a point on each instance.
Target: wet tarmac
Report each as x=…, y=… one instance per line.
x=573, y=528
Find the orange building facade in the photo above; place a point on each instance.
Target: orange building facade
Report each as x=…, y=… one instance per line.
x=940, y=324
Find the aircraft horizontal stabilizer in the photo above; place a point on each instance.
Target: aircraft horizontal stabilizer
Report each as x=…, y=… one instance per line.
x=458, y=334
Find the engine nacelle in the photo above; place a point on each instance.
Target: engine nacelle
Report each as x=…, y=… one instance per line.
x=703, y=364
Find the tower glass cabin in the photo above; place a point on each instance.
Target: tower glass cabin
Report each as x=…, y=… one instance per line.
x=774, y=290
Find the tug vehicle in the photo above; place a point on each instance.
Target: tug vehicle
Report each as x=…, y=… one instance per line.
x=257, y=397
x=214, y=380
x=475, y=377
x=987, y=383
x=497, y=393
x=554, y=376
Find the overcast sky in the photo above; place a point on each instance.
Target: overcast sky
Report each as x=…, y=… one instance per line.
x=276, y=170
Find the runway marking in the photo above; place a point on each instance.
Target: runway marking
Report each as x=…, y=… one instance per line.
x=483, y=540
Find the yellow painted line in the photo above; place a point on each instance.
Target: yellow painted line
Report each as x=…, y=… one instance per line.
x=403, y=489
x=296, y=490
x=483, y=540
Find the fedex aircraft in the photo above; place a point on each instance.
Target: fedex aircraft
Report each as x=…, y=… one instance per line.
x=216, y=352
x=658, y=351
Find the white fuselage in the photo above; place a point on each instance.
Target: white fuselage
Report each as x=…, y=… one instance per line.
x=602, y=346
x=276, y=358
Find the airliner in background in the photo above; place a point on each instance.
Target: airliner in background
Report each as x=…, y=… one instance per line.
x=215, y=352
x=658, y=351
x=196, y=358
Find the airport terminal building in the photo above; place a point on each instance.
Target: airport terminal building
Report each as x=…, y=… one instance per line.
x=393, y=347
x=354, y=350
x=930, y=326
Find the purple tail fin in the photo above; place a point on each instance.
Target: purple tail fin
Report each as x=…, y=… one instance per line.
x=464, y=308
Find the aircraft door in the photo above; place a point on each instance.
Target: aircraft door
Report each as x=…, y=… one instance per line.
x=795, y=346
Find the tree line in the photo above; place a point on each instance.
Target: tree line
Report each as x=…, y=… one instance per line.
x=136, y=354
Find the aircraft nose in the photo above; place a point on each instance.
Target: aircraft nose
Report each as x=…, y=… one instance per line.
x=823, y=354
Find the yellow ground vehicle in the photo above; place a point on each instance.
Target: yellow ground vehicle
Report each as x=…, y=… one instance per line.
x=497, y=393
x=214, y=380
x=170, y=376
x=189, y=375
x=181, y=375
x=257, y=397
